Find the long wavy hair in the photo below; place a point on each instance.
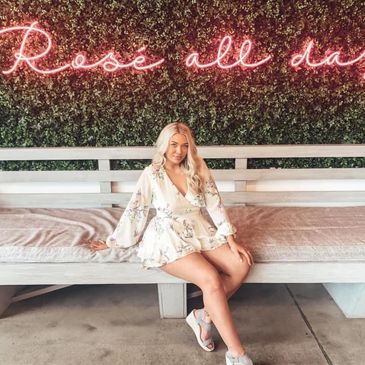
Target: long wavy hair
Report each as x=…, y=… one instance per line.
x=192, y=165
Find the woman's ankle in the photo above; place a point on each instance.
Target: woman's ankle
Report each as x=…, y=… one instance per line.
x=237, y=352
x=206, y=316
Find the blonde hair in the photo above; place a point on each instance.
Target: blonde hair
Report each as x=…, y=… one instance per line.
x=192, y=165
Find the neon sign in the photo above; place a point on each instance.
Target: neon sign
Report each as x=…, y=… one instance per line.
x=333, y=58
x=223, y=50
x=111, y=62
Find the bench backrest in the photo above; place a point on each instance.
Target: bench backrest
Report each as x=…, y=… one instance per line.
x=240, y=175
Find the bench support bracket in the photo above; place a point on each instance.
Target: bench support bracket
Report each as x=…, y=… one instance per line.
x=172, y=300
x=349, y=297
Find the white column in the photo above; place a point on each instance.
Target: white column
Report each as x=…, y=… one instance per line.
x=172, y=300
x=349, y=297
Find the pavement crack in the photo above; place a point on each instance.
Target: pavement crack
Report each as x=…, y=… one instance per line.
x=306, y=321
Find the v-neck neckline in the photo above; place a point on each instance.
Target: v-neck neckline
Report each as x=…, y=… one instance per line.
x=171, y=182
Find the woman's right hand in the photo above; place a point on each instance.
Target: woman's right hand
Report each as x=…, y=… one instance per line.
x=97, y=245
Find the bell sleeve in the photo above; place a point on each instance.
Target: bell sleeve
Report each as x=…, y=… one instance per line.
x=134, y=217
x=215, y=208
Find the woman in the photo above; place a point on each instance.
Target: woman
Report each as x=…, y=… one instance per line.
x=180, y=241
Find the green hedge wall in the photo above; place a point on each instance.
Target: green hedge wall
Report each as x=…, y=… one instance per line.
x=272, y=104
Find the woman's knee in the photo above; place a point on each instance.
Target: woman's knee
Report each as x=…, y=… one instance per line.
x=211, y=281
x=240, y=271
x=224, y=260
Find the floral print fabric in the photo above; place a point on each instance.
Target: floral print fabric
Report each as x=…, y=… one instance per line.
x=178, y=228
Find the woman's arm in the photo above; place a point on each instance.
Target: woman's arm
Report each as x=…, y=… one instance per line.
x=215, y=207
x=134, y=217
x=216, y=210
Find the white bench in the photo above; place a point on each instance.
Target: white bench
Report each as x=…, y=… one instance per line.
x=343, y=275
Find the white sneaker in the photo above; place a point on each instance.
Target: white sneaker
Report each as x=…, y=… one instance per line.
x=237, y=360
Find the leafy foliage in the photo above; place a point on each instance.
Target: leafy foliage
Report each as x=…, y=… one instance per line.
x=270, y=105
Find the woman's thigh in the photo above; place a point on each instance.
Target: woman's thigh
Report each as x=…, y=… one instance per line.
x=224, y=260
x=194, y=268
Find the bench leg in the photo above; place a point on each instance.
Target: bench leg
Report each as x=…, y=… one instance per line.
x=6, y=294
x=172, y=300
x=349, y=297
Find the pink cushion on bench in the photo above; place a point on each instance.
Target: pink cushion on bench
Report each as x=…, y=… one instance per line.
x=301, y=233
x=271, y=233
x=55, y=235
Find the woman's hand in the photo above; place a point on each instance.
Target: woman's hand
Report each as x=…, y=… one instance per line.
x=240, y=251
x=97, y=245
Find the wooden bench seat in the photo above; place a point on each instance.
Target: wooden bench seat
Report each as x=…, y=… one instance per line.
x=293, y=241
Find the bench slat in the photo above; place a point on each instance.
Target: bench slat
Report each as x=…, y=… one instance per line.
x=142, y=152
x=133, y=273
x=221, y=175
x=229, y=198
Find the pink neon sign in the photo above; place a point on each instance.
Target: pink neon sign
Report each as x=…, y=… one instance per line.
x=223, y=49
x=109, y=62
x=25, y=56
x=305, y=58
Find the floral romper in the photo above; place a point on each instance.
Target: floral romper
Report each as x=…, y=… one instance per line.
x=178, y=228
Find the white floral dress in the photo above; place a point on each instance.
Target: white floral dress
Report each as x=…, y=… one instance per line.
x=178, y=228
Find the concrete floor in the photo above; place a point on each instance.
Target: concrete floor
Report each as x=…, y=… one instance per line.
x=120, y=324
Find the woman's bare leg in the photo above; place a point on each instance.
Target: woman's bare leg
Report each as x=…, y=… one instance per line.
x=196, y=269
x=233, y=272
